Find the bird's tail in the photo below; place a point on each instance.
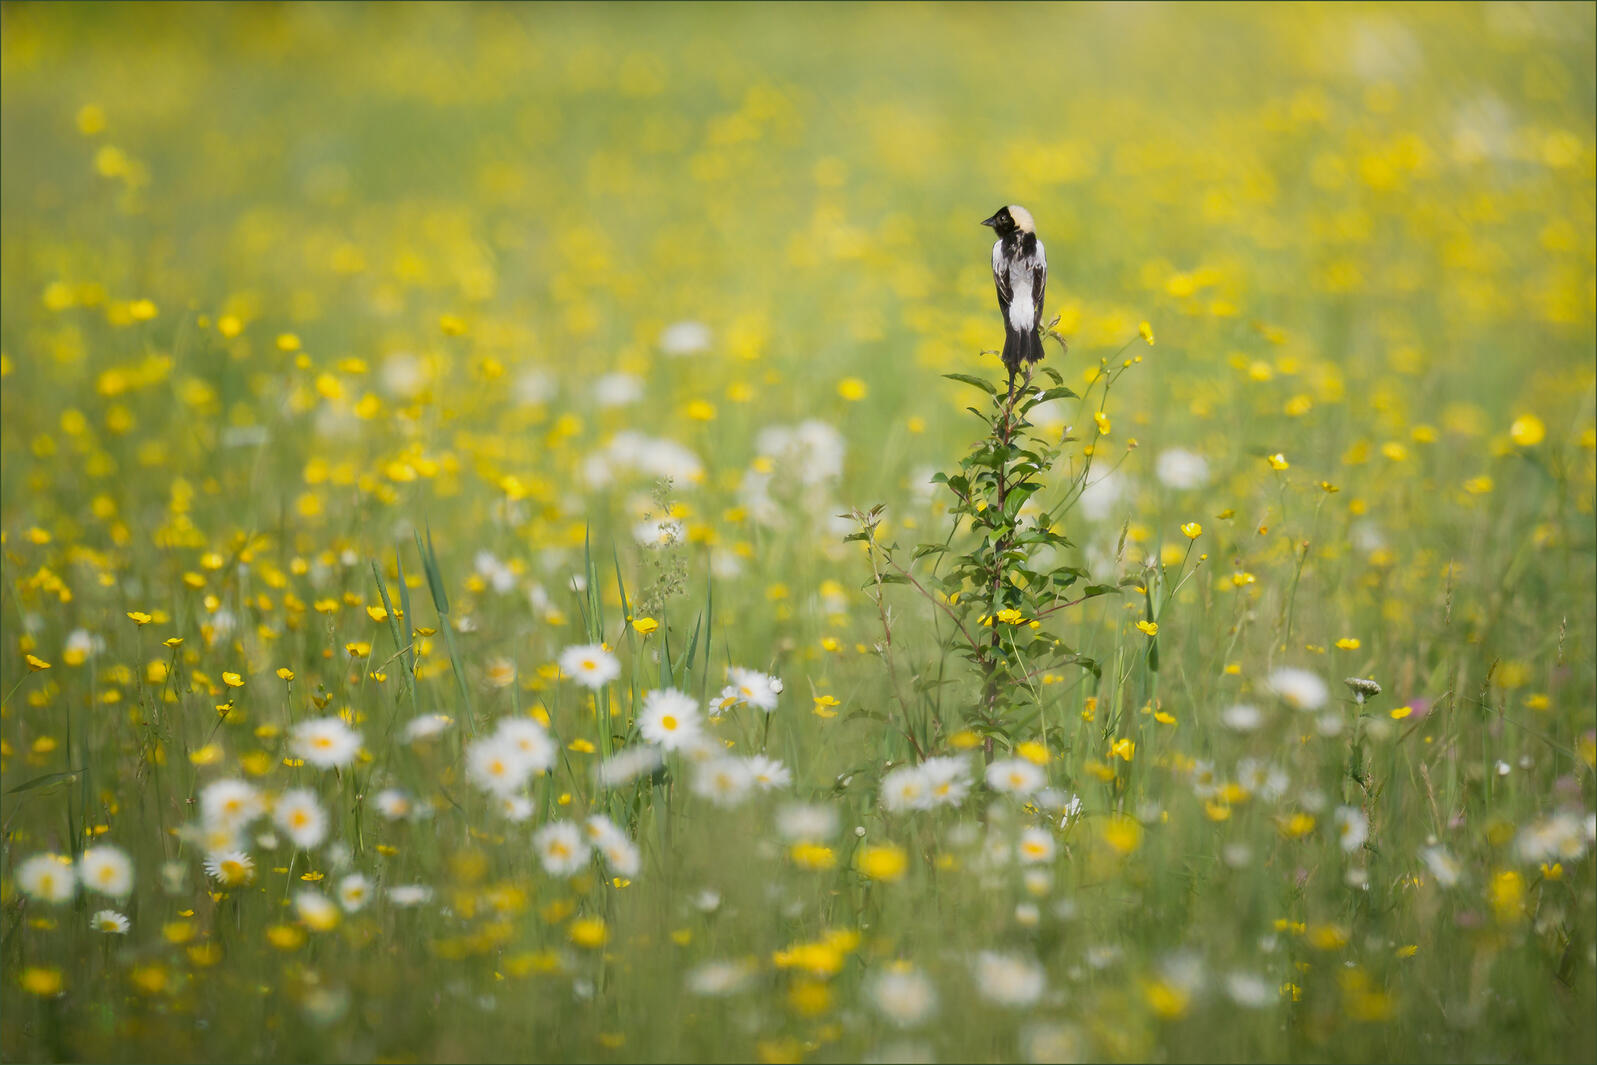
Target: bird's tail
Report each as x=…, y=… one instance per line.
x=1021, y=346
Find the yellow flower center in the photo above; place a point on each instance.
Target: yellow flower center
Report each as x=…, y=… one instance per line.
x=668, y=723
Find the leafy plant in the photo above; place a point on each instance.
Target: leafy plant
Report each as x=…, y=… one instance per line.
x=999, y=574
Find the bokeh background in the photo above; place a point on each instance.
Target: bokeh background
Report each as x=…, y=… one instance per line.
x=281, y=284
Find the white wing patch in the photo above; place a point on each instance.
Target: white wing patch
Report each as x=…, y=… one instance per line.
x=1022, y=312
x=998, y=257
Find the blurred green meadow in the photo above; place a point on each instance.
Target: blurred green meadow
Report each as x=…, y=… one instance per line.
x=429, y=437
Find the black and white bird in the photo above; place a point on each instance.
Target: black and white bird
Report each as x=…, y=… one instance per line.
x=1020, y=271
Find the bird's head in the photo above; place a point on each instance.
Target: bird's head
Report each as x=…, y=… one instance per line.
x=1011, y=219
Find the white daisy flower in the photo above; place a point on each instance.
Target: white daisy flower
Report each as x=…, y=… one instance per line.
x=617, y=390
x=1244, y=717
x=515, y=808
x=110, y=922
x=811, y=450
x=230, y=868
x=325, y=742
x=407, y=895
x=107, y=870
x=685, y=338
x=1054, y=1042
x=627, y=765
x=496, y=765
x=806, y=822
x=531, y=740
x=426, y=726
x=1015, y=776
x=725, y=781
x=1009, y=979
x=561, y=847
x=1035, y=846
x=947, y=780
x=590, y=665
x=1299, y=688
x=354, y=892
x=81, y=644
x=716, y=978
x=1443, y=866
x=47, y=878
x=657, y=532
x=1558, y=837
x=230, y=804
x=768, y=773
x=316, y=910
x=618, y=852
x=301, y=817
x=759, y=690
x=905, y=788
x=902, y=995
x=499, y=576
x=1249, y=990
x=1181, y=469
x=1352, y=827
x=392, y=803
x=670, y=719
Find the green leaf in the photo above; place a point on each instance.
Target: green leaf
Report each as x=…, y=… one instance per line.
x=1017, y=498
x=975, y=382
x=45, y=781
x=429, y=564
x=1048, y=394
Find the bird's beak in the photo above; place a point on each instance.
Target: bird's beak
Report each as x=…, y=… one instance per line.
x=993, y=221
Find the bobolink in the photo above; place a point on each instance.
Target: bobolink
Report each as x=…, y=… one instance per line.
x=1020, y=271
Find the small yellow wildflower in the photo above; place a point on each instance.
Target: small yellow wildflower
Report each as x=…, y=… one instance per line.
x=1527, y=431
x=588, y=932
x=886, y=862
x=41, y=981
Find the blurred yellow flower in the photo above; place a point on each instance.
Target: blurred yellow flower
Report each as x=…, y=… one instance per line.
x=43, y=981
x=852, y=389
x=588, y=932
x=886, y=862
x=1527, y=431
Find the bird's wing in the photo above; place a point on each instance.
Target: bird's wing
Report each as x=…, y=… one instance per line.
x=1001, y=277
x=1039, y=281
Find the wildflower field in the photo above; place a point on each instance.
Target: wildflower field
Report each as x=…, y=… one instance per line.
x=495, y=566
